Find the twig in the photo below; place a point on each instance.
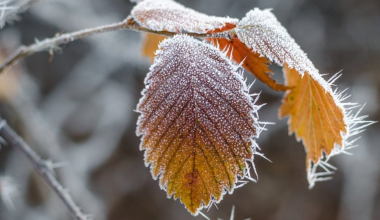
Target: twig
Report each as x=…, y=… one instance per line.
x=50, y=44
x=43, y=168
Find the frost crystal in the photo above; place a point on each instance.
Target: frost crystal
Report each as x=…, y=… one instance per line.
x=167, y=15
x=198, y=122
x=6, y=10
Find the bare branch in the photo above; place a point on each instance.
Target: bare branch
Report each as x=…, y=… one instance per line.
x=43, y=168
x=51, y=44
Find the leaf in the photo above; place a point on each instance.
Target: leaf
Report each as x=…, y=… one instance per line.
x=251, y=61
x=315, y=117
x=150, y=45
x=168, y=15
x=321, y=120
x=261, y=31
x=317, y=114
x=197, y=122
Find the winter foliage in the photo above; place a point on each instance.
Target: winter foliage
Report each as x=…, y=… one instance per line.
x=198, y=122
x=317, y=114
x=323, y=132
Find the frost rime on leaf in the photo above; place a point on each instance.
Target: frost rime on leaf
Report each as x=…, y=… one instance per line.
x=261, y=31
x=317, y=114
x=197, y=122
x=167, y=15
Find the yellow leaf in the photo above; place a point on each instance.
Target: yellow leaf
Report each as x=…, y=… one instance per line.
x=315, y=117
x=150, y=45
x=197, y=122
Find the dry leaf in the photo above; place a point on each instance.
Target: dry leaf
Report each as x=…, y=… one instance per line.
x=251, y=61
x=321, y=120
x=197, y=122
x=315, y=118
x=318, y=115
x=168, y=15
x=150, y=45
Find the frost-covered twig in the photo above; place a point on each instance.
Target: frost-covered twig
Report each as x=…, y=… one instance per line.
x=43, y=168
x=51, y=44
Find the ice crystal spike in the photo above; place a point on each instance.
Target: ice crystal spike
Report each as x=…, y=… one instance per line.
x=167, y=15
x=197, y=122
x=7, y=191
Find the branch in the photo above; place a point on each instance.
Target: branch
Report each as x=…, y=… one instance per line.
x=43, y=168
x=51, y=44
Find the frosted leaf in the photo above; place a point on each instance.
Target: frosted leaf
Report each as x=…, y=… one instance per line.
x=261, y=31
x=311, y=103
x=324, y=122
x=167, y=15
x=197, y=122
x=318, y=115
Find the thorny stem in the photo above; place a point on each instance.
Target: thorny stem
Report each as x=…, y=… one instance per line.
x=51, y=44
x=43, y=168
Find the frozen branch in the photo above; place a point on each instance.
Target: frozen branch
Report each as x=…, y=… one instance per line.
x=51, y=44
x=44, y=168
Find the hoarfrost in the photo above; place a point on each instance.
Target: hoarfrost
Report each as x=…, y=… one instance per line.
x=168, y=15
x=6, y=8
x=261, y=31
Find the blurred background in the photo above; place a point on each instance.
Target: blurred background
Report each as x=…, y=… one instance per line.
x=77, y=107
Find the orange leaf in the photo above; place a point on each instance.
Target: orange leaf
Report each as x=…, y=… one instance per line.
x=252, y=61
x=197, y=122
x=150, y=45
x=315, y=117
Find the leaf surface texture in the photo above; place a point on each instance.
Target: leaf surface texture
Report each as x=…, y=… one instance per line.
x=197, y=122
